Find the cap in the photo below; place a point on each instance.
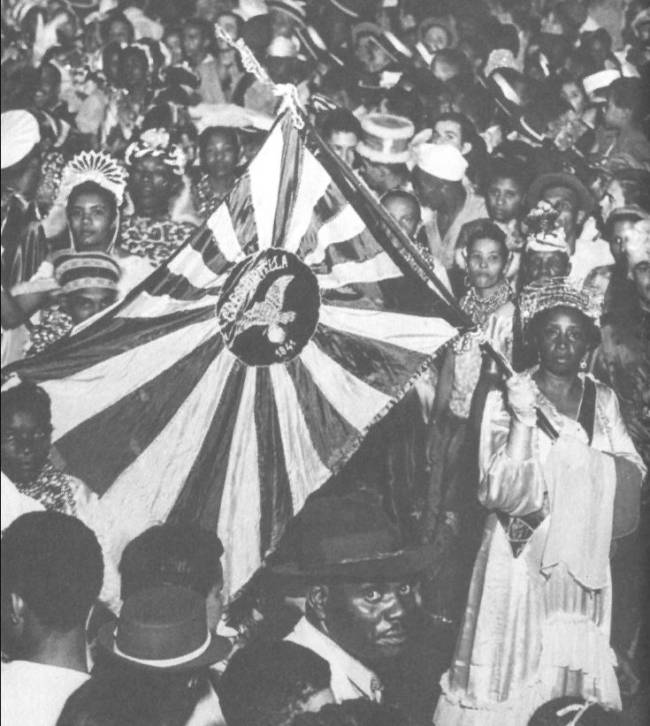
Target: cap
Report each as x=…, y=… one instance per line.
x=442, y=161
x=386, y=138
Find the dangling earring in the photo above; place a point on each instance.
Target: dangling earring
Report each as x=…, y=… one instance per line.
x=71, y=236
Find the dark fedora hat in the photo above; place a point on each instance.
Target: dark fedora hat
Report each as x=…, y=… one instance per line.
x=163, y=629
x=349, y=538
x=561, y=179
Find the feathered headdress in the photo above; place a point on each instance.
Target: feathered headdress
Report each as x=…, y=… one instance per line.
x=156, y=143
x=93, y=166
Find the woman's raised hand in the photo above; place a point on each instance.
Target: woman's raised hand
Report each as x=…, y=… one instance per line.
x=522, y=398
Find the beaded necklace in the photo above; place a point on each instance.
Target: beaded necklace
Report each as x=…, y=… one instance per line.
x=52, y=489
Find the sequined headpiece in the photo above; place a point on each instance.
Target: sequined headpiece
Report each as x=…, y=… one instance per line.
x=156, y=143
x=555, y=293
x=93, y=166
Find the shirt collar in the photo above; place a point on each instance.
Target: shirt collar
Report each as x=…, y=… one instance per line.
x=362, y=678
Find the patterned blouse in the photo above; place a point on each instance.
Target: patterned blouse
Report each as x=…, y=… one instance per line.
x=153, y=239
x=203, y=196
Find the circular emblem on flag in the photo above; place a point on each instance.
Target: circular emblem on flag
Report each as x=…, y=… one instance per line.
x=268, y=307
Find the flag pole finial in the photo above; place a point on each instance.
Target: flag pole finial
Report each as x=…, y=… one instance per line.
x=287, y=91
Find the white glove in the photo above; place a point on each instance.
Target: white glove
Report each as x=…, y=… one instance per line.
x=522, y=398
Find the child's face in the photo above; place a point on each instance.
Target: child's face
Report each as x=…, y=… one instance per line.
x=504, y=199
x=406, y=213
x=83, y=304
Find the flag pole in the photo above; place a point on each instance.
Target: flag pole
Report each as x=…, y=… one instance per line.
x=410, y=253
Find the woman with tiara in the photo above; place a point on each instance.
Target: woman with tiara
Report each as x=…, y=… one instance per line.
x=91, y=195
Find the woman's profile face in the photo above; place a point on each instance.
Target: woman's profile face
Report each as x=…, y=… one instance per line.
x=91, y=221
x=562, y=341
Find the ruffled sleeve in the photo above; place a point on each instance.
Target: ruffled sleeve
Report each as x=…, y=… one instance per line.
x=513, y=487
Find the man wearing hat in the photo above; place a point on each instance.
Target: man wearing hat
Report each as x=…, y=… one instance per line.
x=162, y=638
x=384, y=151
x=569, y=197
x=447, y=202
x=361, y=585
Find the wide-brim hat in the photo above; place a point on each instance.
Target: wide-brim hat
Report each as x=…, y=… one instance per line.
x=561, y=179
x=163, y=629
x=349, y=538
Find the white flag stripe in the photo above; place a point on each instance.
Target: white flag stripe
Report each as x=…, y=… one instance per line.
x=220, y=224
x=156, y=306
x=240, y=501
x=304, y=467
x=189, y=264
x=353, y=398
x=377, y=268
x=343, y=226
x=312, y=184
x=422, y=334
x=146, y=491
x=264, y=174
x=83, y=394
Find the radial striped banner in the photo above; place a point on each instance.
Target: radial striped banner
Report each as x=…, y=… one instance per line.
x=247, y=369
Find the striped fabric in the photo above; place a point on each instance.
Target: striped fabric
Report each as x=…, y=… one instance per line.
x=246, y=370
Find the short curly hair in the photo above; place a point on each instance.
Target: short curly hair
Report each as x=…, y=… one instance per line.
x=54, y=562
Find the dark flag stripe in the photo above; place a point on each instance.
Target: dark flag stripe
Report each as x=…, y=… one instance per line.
x=395, y=295
x=290, y=174
x=209, y=249
x=276, y=506
x=242, y=214
x=95, y=345
x=359, y=248
x=102, y=447
x=331, y=435
x=180, y=288
x=382, y=365
x=200, y=499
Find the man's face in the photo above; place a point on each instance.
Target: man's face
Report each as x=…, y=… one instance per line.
x=193, y=43
x=281, y=24
x=374, y=175
x=25, y=446
x=371, y=621
x=565, y=202
x=343, y=144
x=504, y=199
x=83, y=304
x=406, y=213
x=641, y=279
x=542, y=266
x=450, y=132
x=622, y=231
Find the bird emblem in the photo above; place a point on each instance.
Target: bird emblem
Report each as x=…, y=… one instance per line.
x=269, y=313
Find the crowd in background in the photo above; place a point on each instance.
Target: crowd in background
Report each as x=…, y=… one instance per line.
x=482, y=559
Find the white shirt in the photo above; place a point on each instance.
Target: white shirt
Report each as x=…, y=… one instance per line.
x=34, y=694
x=350, y=678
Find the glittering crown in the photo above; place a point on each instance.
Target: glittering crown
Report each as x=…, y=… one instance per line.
x=93, y=166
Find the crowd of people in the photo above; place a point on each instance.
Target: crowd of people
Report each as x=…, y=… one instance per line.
x=482, y=560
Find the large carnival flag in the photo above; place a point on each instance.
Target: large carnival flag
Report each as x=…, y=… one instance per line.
x=246, y=370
